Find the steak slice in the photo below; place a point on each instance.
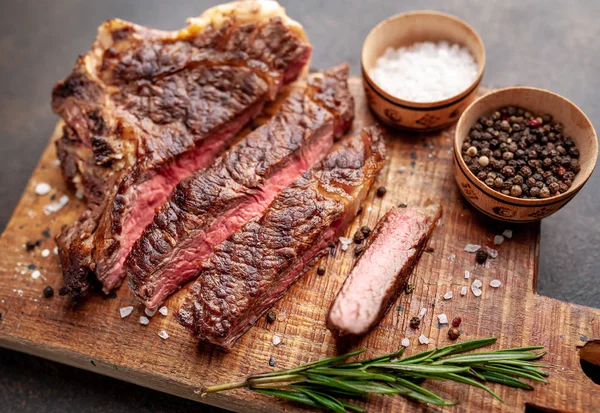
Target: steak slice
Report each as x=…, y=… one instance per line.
x=252, y=270
x=381, y=271
x=146, y=108
x=210, y=205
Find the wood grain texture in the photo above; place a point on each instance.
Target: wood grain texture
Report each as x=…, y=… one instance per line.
x=93, y=336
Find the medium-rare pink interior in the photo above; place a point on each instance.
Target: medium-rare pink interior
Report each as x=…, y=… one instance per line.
x=372, y=285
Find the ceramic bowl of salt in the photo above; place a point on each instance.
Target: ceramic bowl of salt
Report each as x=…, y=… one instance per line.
x=421, y=69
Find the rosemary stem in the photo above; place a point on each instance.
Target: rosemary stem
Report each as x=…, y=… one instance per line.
x=226, y=386
x=275, y=379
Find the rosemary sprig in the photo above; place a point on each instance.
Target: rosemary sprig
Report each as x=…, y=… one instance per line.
x=326, y=383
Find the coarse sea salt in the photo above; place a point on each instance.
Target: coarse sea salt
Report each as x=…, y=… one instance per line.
x=463, y=291
x=498, y=239
x=492, y=252
x=467, y=273
x=507, y=233
x=149, y=313
x=42, y=188
x=425, y=71
x=423, y=339
x=144, y=320
x=36, y=274
x=472, y=247
x=163, y=310
x=276, y=340
x=46, y=253
x=56, y=206
x=405, y=342
x=476, y=291
x=448, y=295
x=495, y=283
x=422, y=312
x=163, y=334
x=442, y=318
x=477, y=284
x=125, y=311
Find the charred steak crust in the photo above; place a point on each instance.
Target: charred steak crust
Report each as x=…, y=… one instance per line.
x=378, y=276
x=210, y=205
x=148, y=105
x=253, y=269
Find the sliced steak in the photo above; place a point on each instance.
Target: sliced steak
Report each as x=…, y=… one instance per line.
x=146, y=108
x=210, y=205
x=252, y=269
x=375, y=282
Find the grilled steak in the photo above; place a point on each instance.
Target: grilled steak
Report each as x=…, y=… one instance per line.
x=379, y=274
x=210, y=205
x=252, y=269
x=145, y=108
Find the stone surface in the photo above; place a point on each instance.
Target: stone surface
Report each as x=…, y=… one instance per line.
x=543, y=43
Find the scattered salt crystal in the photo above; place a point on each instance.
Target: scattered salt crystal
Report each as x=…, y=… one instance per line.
x=448, y=295
x=345, y=241
x=369, y=209
x=163, y=310
x=19, y=292
x=498, y=239
x=276, y=340
x=472, y=247
x=452, y=257
x=508, y=233
x=55, y=250
x=422, y=312
x=495, y=283
x=79, y=195
x=163, y=334
x=42, y=188
x=149, y=313
x=442, y=319
x=144, y=320
x=423, y=339
x=463, y=291
x=56, y=206
x=55, y=163
x=492, y=252
x=405, y=342
x=344, y=247
x=467, y=274
x=425, y=71
x=476, y=291
x=126, y=311
x=45, y=253
x=477, y=284
x=36, y=274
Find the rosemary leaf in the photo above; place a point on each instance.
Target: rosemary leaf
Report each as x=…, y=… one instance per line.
x=328, y=402
x=506, y=380
x=465, y=380
x=509, y=371
x=420, y=368
x=290, y=395
x=350, y=374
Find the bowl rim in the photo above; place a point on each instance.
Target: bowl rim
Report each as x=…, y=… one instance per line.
x=439, y=104
x=506, y=199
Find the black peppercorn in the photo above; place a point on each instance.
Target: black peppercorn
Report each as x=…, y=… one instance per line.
x=415, y=322
x=481, y=256
x=534, y=192
x=359, y=236
x=271, y=317
x=358, y=250
x=48, y=292
x=365, y=230
x=453, y=333
x=30, y=245
x=321, y=270
x=381, y=191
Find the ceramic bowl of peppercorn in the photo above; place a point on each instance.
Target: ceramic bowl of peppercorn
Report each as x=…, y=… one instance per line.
x=521, y=153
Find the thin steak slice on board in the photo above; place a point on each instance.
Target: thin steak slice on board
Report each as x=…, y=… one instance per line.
x=253, y=269
x=210, y=205
x=374, y=283
x=146, y=108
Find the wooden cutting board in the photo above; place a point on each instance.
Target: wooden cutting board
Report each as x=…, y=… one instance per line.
x=94, y=337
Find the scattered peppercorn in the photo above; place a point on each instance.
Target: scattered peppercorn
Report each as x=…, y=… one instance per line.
x=409, y=288
x=453, y=333
x=358, y=250
x=415, y=322
x=481, y=256
x=360, y=210
x=48, y=292
x=272, y=362
x=429, y=250
x=365, y=230
x=321, y=270
x=29, y=245
x=381, y=191
x=456, y=321
x=403, y=205
x=271, y=317
x=512, y=145
x=359, y=236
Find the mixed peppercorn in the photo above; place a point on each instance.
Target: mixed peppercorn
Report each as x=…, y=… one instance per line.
x=521, y=154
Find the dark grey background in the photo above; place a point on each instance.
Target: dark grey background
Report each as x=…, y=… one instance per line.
x=551, y=44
